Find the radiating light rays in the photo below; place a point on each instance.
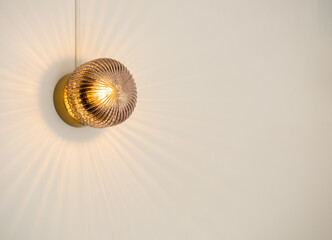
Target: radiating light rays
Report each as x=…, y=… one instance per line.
x=56, y=167
x=146, y=167
x=87, y=186
x=20, y=185
x=129, y=187
x=168, y=129
x=107, y=168
x=94, y=26
x=91, y=32
x=63, y=188
x=159, y=142
x=125, y=36
x=105, y=35
x=31, y=54
x=27, y=142
x=28, y=41
x=78, y=175
x=41, y=166
x=138, y=173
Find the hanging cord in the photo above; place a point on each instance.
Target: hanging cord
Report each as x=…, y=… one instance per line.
x=77, y=32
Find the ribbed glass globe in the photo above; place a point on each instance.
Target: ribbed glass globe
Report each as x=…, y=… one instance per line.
x=100, y=93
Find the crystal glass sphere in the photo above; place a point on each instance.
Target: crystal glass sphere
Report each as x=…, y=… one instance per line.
x=100, y=93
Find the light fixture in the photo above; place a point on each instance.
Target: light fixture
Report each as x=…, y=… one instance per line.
x=100, y=93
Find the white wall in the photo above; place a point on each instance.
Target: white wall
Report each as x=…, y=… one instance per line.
x=231, y=137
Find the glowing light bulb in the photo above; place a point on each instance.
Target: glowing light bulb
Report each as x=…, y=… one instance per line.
x=99, y=93
x=104, y=93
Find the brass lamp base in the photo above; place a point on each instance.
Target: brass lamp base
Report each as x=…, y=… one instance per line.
x=59, y=102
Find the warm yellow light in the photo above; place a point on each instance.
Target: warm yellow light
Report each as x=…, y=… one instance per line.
x=99, y=93
x=103, y=93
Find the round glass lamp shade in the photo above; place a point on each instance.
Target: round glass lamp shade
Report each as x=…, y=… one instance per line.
x=100, y=93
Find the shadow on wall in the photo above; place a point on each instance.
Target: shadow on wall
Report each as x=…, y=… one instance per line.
x=53, y=121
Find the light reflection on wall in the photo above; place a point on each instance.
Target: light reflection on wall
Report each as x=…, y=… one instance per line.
x=61, y=177
x=231, y=129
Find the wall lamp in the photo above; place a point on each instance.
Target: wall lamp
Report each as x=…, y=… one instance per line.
x=100, y=93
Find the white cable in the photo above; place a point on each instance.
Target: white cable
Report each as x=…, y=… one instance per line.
x=77, y=32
